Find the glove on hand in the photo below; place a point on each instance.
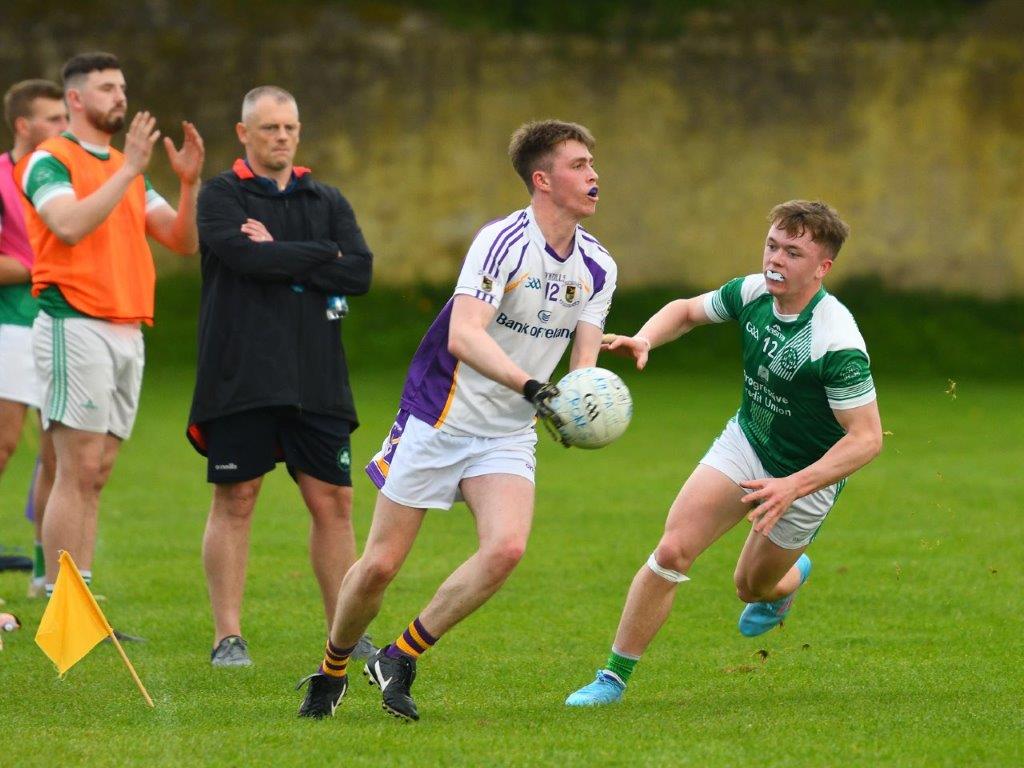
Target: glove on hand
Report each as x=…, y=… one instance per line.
x=540, y=395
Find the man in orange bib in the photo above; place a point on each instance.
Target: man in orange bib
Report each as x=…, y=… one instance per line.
x=90, y=209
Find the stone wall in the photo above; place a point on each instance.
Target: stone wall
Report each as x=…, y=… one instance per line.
x=918, y=141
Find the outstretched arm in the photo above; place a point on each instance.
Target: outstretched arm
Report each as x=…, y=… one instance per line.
x=176, y=229
x=861, y=443
x=669, y=323
x=586, y=345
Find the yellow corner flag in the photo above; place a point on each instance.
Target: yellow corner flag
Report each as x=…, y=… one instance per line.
x=73, y=623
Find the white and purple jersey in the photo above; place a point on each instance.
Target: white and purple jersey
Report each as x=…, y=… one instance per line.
x=539, y=298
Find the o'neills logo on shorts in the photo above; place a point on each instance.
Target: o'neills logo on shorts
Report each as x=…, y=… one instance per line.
x=232, y=465
x=534, y=331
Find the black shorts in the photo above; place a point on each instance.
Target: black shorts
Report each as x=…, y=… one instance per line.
x=247, y=445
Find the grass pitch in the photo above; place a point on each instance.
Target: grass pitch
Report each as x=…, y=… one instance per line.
x=903, y=649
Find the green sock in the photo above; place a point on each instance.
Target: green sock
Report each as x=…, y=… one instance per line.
x=622, y=665
x=39, y=562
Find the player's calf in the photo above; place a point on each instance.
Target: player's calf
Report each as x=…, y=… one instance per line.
x=761, y=616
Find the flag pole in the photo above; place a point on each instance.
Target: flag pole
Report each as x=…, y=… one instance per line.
x=135, y=676
x=73, y=623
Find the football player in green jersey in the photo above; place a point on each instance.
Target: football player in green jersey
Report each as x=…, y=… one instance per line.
x=808, y=419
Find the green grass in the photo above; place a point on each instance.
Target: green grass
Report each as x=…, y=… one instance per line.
x=903, y=649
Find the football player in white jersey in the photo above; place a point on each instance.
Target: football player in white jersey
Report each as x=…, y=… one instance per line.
x=808, y=419
x=531, y=283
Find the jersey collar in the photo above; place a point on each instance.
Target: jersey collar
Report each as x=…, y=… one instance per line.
x=805, y=312
x=821, y=294
x=537, y=237
x=103, y=153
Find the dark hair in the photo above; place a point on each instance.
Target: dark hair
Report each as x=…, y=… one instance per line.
x=84, y=63
x=19, y=97
x=533, y=143
x=816, y=217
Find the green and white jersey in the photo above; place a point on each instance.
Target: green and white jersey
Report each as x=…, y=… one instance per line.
x=46, y=177
x=797, y=369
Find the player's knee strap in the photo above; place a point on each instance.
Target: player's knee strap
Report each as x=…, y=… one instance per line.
x=668, y=575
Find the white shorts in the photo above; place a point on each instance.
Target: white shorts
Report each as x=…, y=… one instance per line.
x=91, y=372
x=421, y=467
x=732, y=455
x=18, y=382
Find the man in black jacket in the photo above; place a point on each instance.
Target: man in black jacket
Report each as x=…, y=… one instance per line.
x=279, y=253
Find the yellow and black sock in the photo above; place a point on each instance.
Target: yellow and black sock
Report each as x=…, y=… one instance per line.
x=335, y=663
x=414, y=642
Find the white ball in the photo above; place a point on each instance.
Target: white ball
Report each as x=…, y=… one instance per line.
x=594, y=407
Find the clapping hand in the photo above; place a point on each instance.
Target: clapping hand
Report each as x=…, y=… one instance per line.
x=138, y=143
x=187, y=162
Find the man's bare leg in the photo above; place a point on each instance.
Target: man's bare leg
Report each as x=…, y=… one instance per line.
x=332, y=543
x=111, y=446
x=706, y=507
x=391, y=536
x=766, y=575
x=226, y=553
x=503, y=508
x=70, y=519
x=502, y=505
x=765, y=571
x=12, y=417
x=42, y=484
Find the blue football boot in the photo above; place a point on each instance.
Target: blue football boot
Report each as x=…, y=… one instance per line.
x=758, y=618
x=607, y=688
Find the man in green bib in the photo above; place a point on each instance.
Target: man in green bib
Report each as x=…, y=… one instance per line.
x=808, y=419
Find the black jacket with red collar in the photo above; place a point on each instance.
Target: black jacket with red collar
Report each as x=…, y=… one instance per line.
x=264, y=336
